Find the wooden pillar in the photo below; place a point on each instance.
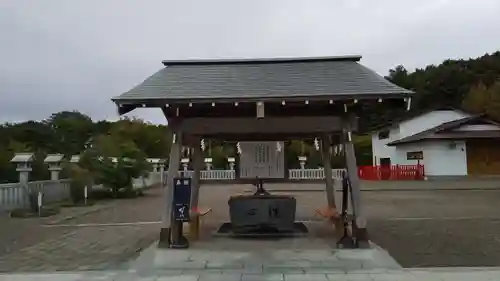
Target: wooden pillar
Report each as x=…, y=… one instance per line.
x=194, y=225
x=330, y=191
x=359, y=225
x=173, y=170
x=197, y=167
x=329, y=186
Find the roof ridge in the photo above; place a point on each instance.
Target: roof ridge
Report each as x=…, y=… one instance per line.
x=437, y=129
x=353, y=58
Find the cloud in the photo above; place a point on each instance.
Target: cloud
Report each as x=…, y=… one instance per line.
x=58, y=55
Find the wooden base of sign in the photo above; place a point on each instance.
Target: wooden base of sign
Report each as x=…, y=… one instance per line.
x=194, y=228
x=179, y=241
x=164, y=241
x=361, y=235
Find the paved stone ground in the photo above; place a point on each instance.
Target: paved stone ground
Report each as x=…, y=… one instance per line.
x=418, y=228
x=82, y=238
x=299, y=255
x=14, y=234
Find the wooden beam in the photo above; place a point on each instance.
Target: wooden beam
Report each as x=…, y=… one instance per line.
x=260, y=137
x=271, y=125
x=329, y=184
x=329, y=187
x=281, y=108
x=359, y=227
x=194, y=226
x=197, y=166
x=168, y=191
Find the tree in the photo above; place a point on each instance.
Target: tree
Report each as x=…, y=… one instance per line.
x=71, y=130
x=131, y=162
x=8, y=171
x=484, y=100
x=36, y=135
x=154, y=140
x=80, y=178
x=445, y=85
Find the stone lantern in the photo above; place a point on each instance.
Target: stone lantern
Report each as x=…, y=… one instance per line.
x=54, y=161
x=185, y=164
x=75, y=159
x=23, y=162
x=231, y=161
x=161, y=164
x=208, y=163
x=155, y=162
x=302, y=161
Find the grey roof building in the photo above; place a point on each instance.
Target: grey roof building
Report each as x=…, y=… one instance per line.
x=262, y=100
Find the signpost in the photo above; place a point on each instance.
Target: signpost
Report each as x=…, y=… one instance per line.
x=182, y=199
x=39, y=203
x=181, y=210
x=85, y=194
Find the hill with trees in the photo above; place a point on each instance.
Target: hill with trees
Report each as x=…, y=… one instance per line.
x=471, y=84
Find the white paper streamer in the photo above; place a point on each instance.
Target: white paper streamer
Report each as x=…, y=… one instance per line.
x=316, y=144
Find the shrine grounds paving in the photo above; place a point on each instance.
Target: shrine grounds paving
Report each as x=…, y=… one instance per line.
x=419, y=225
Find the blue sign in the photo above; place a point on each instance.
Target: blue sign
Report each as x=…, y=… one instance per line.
x=182, y=198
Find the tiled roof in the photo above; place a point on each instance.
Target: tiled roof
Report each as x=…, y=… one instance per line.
x=262, y=79
x=443, y=132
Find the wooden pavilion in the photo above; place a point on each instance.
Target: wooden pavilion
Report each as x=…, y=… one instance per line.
x=263, y=100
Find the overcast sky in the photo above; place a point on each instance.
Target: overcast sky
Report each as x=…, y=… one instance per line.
x=75, y=55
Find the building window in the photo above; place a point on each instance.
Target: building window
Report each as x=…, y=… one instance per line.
x=414, y=155
x=383, y=135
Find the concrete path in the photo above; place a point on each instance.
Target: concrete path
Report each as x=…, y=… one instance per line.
x=241, y=256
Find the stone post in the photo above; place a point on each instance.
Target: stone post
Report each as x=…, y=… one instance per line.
x=54, y=162
x=232, y=162
x=162, y=171
x=75, y=159
x=155, y=163
x=208, y=163
x=302, y=161
x=185, y=164
x=23, y=162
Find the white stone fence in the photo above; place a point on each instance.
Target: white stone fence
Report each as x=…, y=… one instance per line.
x=314, y=174
x=294, y=174
x=14, y=195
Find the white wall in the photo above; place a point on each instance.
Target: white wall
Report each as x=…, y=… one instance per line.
x=428, y=120
x=440, y=159
x=380, y=149
x=408, y=128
